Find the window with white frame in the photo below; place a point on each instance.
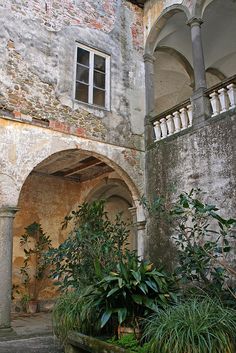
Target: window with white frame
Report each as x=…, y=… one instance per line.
x=92, y=84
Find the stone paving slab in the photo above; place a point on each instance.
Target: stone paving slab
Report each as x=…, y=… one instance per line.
x=45, y=344
x=30, y=325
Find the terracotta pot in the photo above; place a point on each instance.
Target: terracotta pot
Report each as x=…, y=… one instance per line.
x=32, y=306
x=125, y=330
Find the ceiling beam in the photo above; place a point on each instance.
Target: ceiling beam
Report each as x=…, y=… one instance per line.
x=84, y=166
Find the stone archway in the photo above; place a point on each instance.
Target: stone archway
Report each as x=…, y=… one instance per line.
x=31, y=149
x=160, y=23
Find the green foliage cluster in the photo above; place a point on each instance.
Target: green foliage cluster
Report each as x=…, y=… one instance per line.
x=115, y=287
x=73, y=311
x=91, y=250
x=204, y=243
x=111, y=285
x=34, y=271
x=132, y=291
x=196, y=326
x=130, y=343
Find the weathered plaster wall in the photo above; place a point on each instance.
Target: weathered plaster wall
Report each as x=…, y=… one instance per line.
x=204, y=158
x=37, y=56
x=23, y=146
x=47, y=200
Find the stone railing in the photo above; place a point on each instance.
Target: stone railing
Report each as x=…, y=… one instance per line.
x=223, y=96
x=172, y=121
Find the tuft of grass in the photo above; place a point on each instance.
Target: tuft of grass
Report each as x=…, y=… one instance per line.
x=72, y=311
x=130, y=343
x=196, y=326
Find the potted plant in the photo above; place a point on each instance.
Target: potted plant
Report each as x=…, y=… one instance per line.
x=34, y=269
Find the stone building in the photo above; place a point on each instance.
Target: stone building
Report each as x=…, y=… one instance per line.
x=111, y=99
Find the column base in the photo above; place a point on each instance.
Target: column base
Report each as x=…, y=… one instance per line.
x=201, y=107
x=6, y=332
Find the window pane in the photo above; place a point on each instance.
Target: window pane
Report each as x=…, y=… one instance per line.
x=99, y=63
x=83, y=56
x=99, y=97
x=81, y=93
x=82, y=74
x=99, y=79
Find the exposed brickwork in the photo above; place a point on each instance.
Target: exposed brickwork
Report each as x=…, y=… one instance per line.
x=56, y=14
x=37, y=75
x=30, y=97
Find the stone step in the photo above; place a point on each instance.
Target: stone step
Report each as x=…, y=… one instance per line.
x=45, y=344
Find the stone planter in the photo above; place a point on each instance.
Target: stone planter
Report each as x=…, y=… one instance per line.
x=78, y=343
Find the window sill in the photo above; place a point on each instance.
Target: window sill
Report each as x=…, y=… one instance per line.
x=89, y=106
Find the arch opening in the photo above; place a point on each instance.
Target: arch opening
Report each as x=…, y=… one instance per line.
x=56, y=186
x=172, y=50
x=219, y=48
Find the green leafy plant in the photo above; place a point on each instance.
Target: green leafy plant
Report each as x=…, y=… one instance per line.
x=92, y=248
x=133, y=291
x=130, y=343
x=73, y=312
x=34, y=271
x=193, y=327
x=204, y=242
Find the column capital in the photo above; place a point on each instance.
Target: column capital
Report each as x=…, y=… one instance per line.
x=133, y=211
x=149, y=58
x=195, y=21
x=141, y=225
x=8, y=211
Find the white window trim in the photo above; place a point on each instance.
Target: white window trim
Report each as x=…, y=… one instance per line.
x=92, y=52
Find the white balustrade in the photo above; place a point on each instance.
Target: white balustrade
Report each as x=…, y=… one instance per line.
x=184, y=118
x=177, y=121
x=190, y=114
x=223, y=99
x=215, y=103
x=173, y=123
x=232, y=95
x=163, y=127
x=170, y=124
x=157, y=130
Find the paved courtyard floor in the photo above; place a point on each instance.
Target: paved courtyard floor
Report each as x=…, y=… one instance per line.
x=32, y=334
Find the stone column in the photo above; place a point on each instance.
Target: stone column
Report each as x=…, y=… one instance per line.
x=133, y=211
x=141, y=232
x=150, y=95
x=198, y=56
x=7, y=215
x=201, y=104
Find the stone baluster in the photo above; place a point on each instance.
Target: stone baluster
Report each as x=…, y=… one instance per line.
x=184, y=118
x=215, y=103
x=177, y=121
x=224, y=100
x=170, y=124
x=232, y=95
x=163, y=126
x=157, y=130
x=190, y=114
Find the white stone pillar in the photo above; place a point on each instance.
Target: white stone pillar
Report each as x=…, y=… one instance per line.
x=149, y=94
x=198, y=56
x=7, y=215
x=141, y=232
x=200, y=103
